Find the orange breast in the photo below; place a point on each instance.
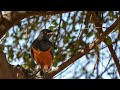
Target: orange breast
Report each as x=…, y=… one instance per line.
x=43, y=58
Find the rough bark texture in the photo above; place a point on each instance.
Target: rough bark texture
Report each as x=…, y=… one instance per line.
x=8, y=71
x=5, y=68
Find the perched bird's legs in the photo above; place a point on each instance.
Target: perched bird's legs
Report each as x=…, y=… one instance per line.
x=46, y=75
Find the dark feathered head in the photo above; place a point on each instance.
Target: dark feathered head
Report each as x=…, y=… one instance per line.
x=45, y=34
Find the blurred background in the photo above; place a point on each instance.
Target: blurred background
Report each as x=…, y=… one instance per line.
x=73, y=31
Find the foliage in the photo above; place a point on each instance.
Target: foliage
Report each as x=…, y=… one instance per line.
x=73, y=31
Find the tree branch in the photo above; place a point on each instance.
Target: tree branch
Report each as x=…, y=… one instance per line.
x=97, y=23
x=12, y=18
x=8, y=71
x=116, y=60
x=19, y=15
x=4, y=67
x=8, y=20
x=1, y=16
x=85, y=51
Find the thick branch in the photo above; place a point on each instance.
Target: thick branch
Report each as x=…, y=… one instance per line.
x=4, y=67
x=85, y=51
x=1, y=17
x=112, y=51
x=14, y=17
x=8, y=71
x=8, y=20
x=110, y=47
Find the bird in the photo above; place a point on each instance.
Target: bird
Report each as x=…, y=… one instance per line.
x=42, y=51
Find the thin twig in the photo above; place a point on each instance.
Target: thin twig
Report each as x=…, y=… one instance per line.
x=85, y=51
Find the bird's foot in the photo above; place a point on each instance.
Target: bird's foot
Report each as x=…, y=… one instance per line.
x=46, y=75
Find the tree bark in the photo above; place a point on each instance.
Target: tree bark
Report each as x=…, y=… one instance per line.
x=97, y=23
x=86, y=49
x=8, y=20
x=5, y=68
x=8, y=71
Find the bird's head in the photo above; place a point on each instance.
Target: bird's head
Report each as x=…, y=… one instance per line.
x=45, y=34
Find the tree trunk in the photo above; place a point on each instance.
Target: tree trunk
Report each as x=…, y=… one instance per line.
x=8, y=71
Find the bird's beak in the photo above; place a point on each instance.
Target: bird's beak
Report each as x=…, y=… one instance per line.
x=50, y=33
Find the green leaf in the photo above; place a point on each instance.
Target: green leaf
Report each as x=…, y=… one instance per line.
x=10, y=55
x=108, y=41
x=55, y=63
x=52, y=27
x=64, y=25
x=84, y=71
x=54, y=22
x=89, y=34
x=66, y=40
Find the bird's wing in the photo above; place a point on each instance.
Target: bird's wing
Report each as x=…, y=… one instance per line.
x=34, y=45
x=52, y=50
